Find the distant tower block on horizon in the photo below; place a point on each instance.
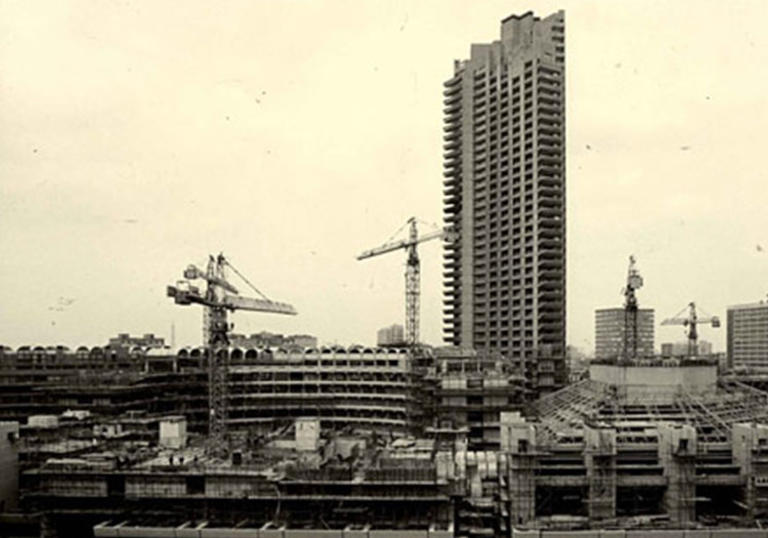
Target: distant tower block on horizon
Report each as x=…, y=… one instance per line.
x=394, y=335
x=504, y=191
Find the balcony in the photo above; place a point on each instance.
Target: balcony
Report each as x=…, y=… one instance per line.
x=549, y=211
x=550, y=161
x=551, y=138
x=451, y=264
x=452, y=154
x=452, y=273
x=454, y=160
x=550, y=295
x=451, y=97
x=452, y=248
x=549, y=230
x=453, y=176
x=551, y=238
x=454, y=143
x=452, y=83
x=548, y=179
x=451, y=109
x=451, y=189
x=548, y=130
x=550, y=307
x=451, y=121
x=452, y=135
x=547, y=99
x=550, y=263
x=452, y=200
x=550, y=202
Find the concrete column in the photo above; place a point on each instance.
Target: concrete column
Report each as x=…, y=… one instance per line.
x=522, y=489
x=750, y=451
x=600, y=461
x=518, y=441
x=677, y=455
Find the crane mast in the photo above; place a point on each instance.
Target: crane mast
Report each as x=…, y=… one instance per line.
x=412, y=288
x=412, y=272
x=692, y=321
x=630, y=337
x=216, y=304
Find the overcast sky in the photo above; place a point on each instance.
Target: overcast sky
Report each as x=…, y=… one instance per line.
x=137, y=137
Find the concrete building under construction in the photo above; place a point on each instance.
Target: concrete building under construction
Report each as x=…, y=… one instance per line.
x=357, y=442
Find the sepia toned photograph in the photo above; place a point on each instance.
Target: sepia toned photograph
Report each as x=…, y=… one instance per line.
x=383, y=269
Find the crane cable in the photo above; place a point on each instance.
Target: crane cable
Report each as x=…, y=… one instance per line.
x=400, y=229
x=238, y=273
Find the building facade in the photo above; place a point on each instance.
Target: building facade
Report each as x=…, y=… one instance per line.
x=747, y=328
x=504, y=191
x=680, y=349
x=609, y=332
x=268, y=339
x=125, y=340
x=394, y=335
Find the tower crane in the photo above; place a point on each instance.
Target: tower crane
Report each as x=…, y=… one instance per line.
x=412, y=271
x=219, y=298
x=634, y=282
x=692, y=320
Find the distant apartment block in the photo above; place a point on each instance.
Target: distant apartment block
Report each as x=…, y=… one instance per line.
x=394, y=335
x=747, y=335
x=609, y=332
x=504, y=191
x=267, y=339
x=680, y=349
x=149, y=340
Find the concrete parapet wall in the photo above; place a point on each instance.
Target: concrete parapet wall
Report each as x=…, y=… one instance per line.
x=659, y=381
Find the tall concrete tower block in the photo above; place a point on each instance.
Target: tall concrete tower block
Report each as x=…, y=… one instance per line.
x=504, y=191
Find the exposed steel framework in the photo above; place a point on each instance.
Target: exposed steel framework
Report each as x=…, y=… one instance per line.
x=692, y=321
x=412, y=271
x=219, y=298
x=630, y=340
